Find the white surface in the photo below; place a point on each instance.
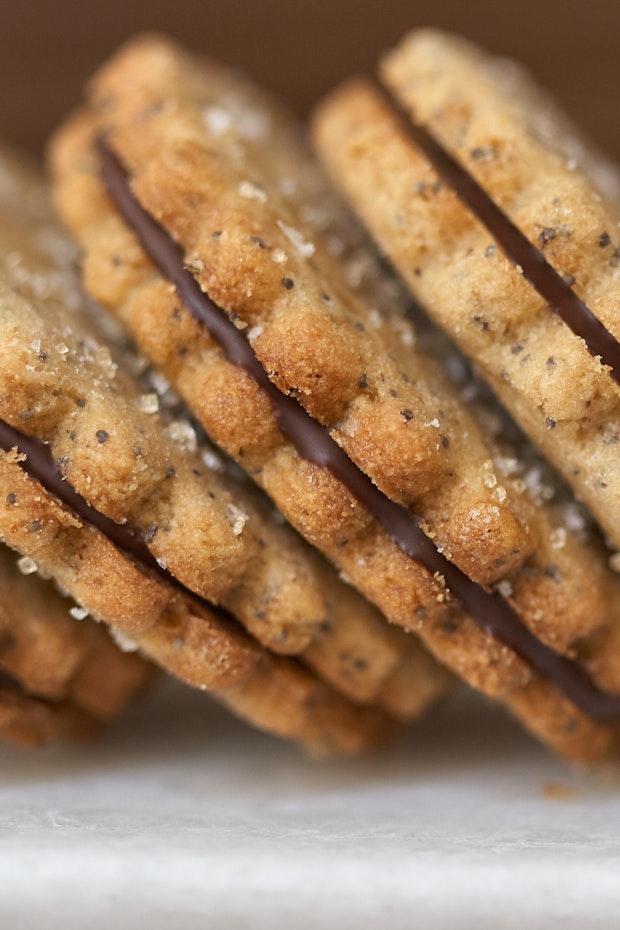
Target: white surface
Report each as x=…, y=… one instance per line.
x=183, y=818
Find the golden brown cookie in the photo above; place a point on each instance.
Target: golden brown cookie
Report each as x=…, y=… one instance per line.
x=29, y=721
x=106, y=497
x=210, y=233
x=523, y=273
x=59, y=675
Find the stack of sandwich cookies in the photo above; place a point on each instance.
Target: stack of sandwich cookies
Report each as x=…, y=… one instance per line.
x=205, y=229
x=99, y=492
x=59, y=678
x=352, y=648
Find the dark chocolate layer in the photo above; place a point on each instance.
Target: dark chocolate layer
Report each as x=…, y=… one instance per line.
x=313, y=442
x=544, y=278
x=40, y=465
x=7, y=682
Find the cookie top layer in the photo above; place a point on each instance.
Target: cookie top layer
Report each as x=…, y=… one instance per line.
x=242, y=204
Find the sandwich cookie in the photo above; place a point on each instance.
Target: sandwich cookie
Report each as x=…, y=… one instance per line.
x=100, y=495
x=504, y=225
x=208, y=230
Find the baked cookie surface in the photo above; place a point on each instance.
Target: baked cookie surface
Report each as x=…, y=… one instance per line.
x=215, y=167
x=522, y=287
x=114, y=503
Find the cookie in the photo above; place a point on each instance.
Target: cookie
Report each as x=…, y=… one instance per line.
x=208, y=230
x=353, y=649
x=29, y=721
x=107, y=498
x=504, y=225
x=59, y=678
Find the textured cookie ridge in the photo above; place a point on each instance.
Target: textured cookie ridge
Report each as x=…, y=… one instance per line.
x=175, y=169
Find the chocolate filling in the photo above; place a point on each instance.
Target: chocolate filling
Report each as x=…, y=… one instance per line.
x=544, y=278
x=40, y=465
x=8, y=682
x=314, y=443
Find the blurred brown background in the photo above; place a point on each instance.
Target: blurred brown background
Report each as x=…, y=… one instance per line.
x=302, y=47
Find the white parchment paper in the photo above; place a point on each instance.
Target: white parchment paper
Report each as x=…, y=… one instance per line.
x=183, y=818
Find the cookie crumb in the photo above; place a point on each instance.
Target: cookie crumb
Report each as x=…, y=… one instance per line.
x=557, y=791
x=211, y=460
x=78, y=613
x=183, y=433
x=217, y=120
x=614, y=562
x=505, y=588
x=159, y=382
x=305, y=248
x=149, y=403
x=150, y=532
x=255, y=331
x=194, y=264
x=252, y=191
x=124, y=642
x=557, y=538
x=26, y=565
x=238, y=518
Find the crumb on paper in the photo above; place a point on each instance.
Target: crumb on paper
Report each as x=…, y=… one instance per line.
x=557, y=791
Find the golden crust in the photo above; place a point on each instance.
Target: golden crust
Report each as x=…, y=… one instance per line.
x=216, y=538
x=258, y=251
x=58, y=382
x=494, y=122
